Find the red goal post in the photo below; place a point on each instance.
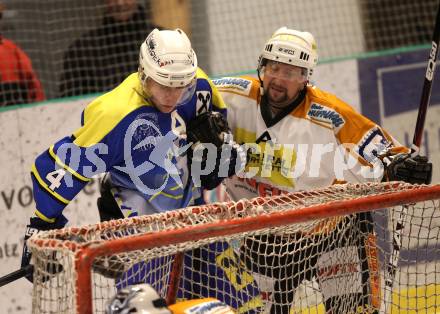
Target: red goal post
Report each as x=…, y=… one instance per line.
x=158, y=242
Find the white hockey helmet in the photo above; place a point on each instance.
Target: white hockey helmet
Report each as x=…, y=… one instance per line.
x=291, y=47
x=167, y=57
x=137, y=299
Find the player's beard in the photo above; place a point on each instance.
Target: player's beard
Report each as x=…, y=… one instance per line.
x=277, y=96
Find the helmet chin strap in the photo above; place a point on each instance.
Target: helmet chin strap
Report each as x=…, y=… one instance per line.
x=261, y=82
x=146, y=96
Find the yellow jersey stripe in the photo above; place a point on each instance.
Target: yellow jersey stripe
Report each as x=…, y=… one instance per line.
x=42, y=217
x=175, y=187
x=44, y=185
x=63, y=165
x=104, y=113
x=176, y=197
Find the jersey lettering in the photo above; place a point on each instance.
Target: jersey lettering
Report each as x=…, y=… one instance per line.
x=233, y=268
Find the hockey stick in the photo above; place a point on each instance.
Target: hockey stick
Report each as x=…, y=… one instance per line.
x=415, y=147
x=427, y=86
x=22, y=272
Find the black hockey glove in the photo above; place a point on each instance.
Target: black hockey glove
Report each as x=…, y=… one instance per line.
x=35, y=226
x=107, y=206
x=208, y=127
x=403, y=167
x=212, y=127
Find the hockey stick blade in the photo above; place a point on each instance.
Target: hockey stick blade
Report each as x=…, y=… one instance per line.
x=22, y=272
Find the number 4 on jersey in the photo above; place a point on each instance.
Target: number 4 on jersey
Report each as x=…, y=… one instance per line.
x=55, y=178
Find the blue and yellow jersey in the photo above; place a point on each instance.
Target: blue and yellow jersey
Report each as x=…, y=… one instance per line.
x=122, y=133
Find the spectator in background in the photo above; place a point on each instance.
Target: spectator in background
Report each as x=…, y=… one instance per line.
x=18, y=82
x=100, y=59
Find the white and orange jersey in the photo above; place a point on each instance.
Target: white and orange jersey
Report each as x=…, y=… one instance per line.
x=321, y=142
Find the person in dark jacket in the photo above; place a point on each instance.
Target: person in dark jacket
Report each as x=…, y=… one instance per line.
x=100, y=59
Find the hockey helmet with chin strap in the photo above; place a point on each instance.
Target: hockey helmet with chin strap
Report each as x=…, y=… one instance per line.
x=167, y=57
x=291, y=47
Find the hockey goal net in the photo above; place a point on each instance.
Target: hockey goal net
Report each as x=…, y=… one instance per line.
x=365, y=248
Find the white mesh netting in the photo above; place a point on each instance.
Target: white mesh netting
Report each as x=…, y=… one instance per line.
x=78, y=47
x=285, y=254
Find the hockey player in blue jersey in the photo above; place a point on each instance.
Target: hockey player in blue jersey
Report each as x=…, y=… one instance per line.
x=140, y=134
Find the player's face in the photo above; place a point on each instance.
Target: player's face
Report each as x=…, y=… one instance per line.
x=165, y=98
x=282, y=82
x=121, y=10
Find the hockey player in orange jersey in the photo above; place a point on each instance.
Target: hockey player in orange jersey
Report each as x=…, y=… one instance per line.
x=305, y=138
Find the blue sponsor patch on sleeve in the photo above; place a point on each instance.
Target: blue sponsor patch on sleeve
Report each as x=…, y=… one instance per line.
x=326, y=115
x=232, y=82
